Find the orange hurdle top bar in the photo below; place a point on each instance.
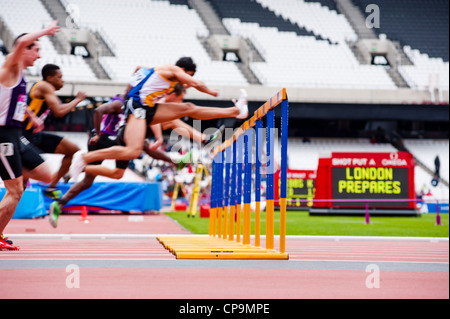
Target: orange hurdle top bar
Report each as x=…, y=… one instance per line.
x=259, y=113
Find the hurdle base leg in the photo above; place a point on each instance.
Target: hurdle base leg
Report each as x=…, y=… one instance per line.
x=206, y=247
x=232, y=255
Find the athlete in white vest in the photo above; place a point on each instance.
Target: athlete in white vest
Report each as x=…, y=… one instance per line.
x=147, y=108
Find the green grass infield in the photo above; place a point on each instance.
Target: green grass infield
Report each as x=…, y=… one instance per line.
x=301, y=223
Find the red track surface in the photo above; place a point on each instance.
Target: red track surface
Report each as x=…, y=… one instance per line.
x=119, y=257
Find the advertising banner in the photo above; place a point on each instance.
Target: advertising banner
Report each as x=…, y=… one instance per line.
x=364, y=176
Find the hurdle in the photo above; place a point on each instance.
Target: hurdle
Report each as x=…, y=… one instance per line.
x=231, y=195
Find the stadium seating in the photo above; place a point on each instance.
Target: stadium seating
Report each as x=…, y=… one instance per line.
x=299, y=61
x=427, y=150
x=291, y=35
x=160, y=40
x=315, y=17
x=303, y=42
x=252, y=11
x=331, y=4
x=423, y=25
x=426, y=73
x=33, y=16
x=424, y=39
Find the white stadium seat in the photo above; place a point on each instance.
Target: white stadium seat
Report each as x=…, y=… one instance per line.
x=425, y=73
x=24, y=16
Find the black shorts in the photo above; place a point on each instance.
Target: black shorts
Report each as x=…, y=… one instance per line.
x=10, y=155
x=46, y=142
x=106, y=141
x=140, y=111
x=16, y=153
x=31, y=155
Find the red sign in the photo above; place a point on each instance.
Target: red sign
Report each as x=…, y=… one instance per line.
x=352, y=179
x=396, y=159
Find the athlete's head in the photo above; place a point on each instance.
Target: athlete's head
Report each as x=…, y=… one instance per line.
x=53, y=75
x=177, y=95
x=31, y=53
x=187, y=64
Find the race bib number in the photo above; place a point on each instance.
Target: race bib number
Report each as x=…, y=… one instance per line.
x=139, y=76
x=19, y=114
x=140, y=114
x=6, y=149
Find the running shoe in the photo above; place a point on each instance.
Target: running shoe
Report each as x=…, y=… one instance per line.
x=3, y=237
x=213, y=137
x=4, y=245
x=78, y=165
x=53, y=193
x=186, y=159
x=242, y=105
x=54, y=213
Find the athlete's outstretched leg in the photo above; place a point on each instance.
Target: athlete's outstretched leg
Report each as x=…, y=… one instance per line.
x=172, y=111
x=113, y=173
x=134, y=137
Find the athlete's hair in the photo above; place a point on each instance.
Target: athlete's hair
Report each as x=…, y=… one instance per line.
x=23, y=34
x=179, y=89
x=49, y=70
x=187, y=64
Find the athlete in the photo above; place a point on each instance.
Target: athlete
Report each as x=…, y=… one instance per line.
x=144, y=109
x=41, y=100
x=111, y=114
x=107, y=119
x=12, y=112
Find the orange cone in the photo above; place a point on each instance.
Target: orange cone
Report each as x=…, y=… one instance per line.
x=84, y=215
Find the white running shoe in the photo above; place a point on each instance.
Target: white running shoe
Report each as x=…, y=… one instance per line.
x=78, y=165
x=242, y=105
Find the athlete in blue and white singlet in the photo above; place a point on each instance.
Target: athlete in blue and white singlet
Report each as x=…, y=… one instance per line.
x=145, y=109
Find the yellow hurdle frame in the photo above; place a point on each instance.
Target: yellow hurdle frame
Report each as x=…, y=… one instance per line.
x=224, y=238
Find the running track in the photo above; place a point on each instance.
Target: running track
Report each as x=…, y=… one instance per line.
x=119, y=257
